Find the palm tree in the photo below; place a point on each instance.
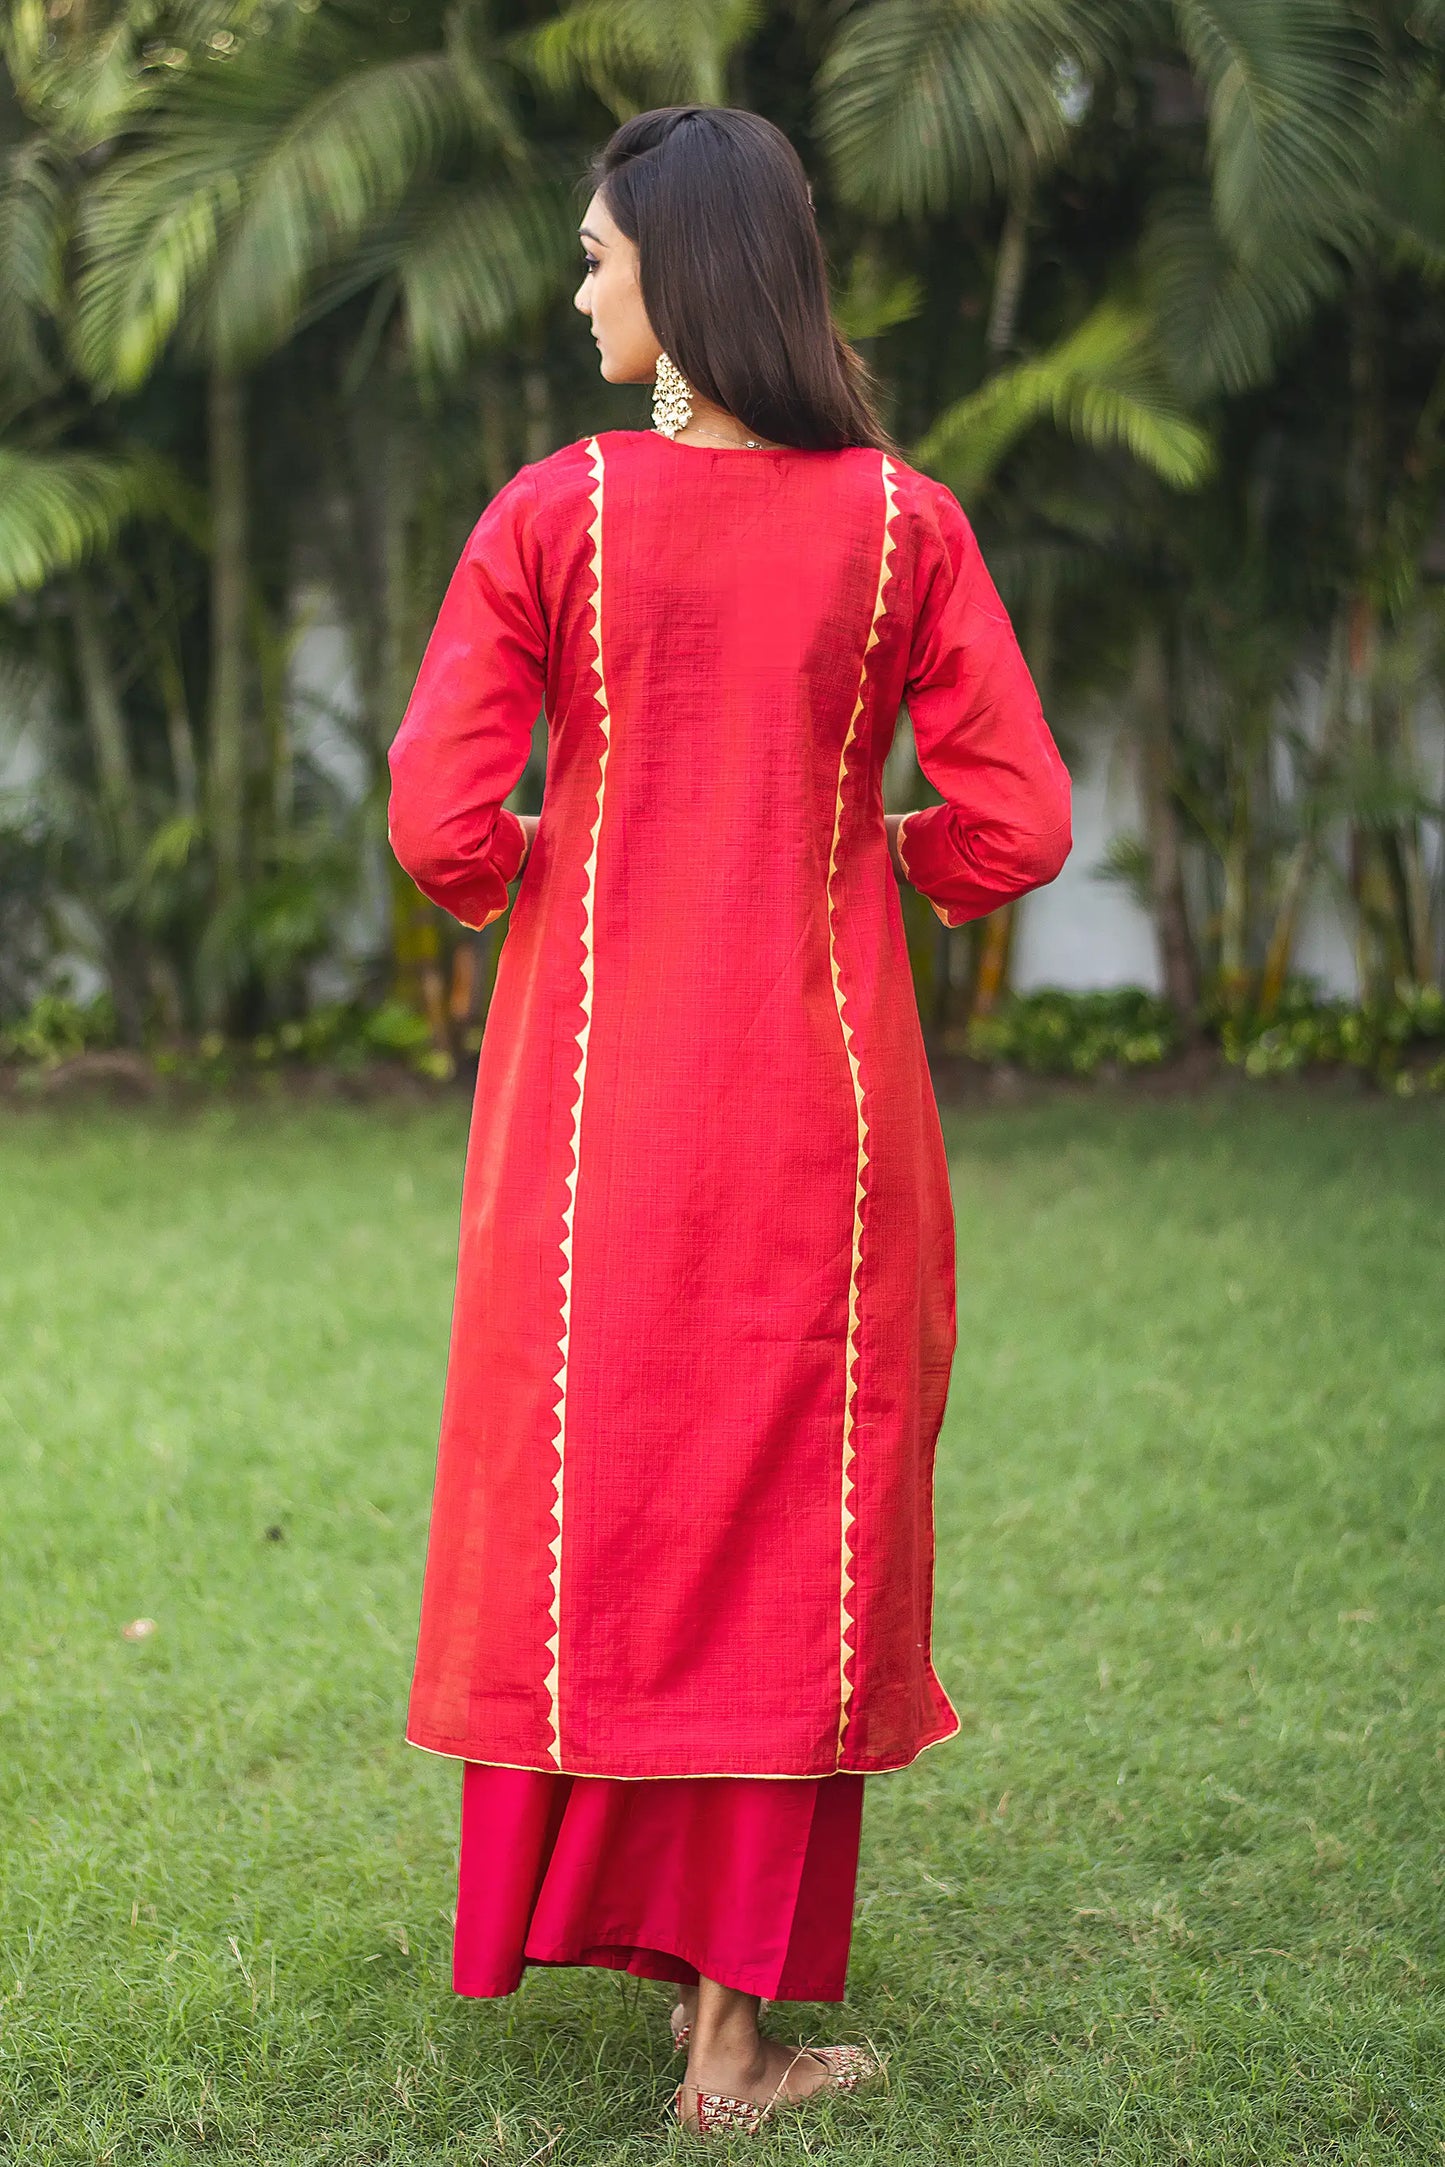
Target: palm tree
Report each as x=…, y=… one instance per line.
x=1261, y=124
x=287, y=164
x=278, y=288
x=256, y=174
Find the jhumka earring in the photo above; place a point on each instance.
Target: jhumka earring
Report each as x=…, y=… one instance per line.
x=671, y=397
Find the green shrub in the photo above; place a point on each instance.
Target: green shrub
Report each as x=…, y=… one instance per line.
x=56, y=1029
x=1382, y=1039
x=1052, y=1032
x=1055, y=1033
x=343, y=1035
x=1049, y=1032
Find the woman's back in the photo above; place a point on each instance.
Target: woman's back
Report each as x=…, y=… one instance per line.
x=682, y=1534
x=706, y=1275
x=759, y=614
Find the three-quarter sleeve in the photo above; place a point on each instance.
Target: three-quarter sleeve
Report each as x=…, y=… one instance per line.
x=1005, y=824
x=467, y=731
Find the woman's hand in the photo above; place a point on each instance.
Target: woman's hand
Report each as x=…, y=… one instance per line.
x=528, y=825
x=893, y=822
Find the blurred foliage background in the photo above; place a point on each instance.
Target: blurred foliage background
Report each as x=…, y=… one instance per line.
x=1157, y=286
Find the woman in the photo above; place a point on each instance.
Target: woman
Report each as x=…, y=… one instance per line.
x=679, y=1582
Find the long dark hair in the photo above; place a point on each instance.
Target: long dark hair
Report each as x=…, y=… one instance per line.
x=733, y=275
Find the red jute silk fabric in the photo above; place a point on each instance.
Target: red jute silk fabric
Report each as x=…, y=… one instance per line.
x=743, y=1880
x=704, y=1309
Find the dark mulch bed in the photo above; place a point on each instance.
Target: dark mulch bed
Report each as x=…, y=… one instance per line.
x=116, y=1076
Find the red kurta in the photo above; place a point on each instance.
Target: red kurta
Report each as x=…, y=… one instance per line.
x=704, y=1313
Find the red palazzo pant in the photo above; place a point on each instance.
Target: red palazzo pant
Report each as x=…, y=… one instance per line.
x=745, y=1879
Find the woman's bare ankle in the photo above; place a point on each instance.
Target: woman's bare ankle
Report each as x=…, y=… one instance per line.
x=727, y=2053
x=726, y=2043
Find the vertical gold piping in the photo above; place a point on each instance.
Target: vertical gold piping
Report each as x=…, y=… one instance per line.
x=850, y=1356
x=584, y=1034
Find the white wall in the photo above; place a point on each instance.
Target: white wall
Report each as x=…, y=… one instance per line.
x=1080, y=931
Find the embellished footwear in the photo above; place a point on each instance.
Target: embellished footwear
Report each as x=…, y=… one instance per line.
x=715, y=2114
x=719, y=2114
x=848, y=2066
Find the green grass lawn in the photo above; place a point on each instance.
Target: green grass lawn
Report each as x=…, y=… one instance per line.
x=1174, y=1896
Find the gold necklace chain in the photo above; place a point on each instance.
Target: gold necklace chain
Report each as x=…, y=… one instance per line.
x=746, y=443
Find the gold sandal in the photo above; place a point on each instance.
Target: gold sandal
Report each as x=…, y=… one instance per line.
x=719, y=2114
x=848, y=2066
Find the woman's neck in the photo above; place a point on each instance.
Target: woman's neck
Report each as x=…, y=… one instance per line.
x=712, y=424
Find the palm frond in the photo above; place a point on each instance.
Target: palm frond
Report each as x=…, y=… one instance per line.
x=58, y=508
x=34, y=207
x=923, y=102
x=1125, y=862
x=1104, y=384
x=149, y=234
x=1019, y=563
x=83, y=83
x=345, y=161
x=1412, y=187
x=1221, y=322
x=154, y=224
x=486, y=74
x=874, y=300
x=478, y=258
x=632, y=53
x=1368, y=788
x=1295, y=113
x=264, y=174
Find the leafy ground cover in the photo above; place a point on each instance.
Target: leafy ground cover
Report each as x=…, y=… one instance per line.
x=1175, y=1895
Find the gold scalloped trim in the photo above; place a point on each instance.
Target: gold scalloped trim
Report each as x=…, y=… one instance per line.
x=707, y=1775
x=846, y=1580
x=569, y=1216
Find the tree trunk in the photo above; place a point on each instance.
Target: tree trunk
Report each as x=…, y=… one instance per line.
x=1010, y=269
x=996, y=933
x=1423, y=965
x=105, y=719
x=229, y=580
x=418, y=954
x=495, y=433
x=1234, y=916
x=181, y=739
x=110, y=749
x=398, y=640
x=994, y=957
x=171, y=678
x=1364, y=482
x=1298, y=867
x=1302, y=858
x=1415, y=881
x=537, y=409
x=1000, y=929
x=1153, y=699
x=944, y=937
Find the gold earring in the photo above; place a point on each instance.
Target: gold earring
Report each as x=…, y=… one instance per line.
x=671, y=397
